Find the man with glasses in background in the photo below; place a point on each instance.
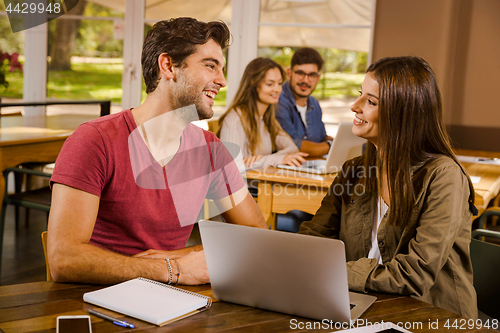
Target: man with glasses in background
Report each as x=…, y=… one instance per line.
x=299, y=113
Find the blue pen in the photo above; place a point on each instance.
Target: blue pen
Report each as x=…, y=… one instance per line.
x=111, y=319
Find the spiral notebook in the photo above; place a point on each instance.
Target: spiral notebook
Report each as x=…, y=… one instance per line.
x=151, y=301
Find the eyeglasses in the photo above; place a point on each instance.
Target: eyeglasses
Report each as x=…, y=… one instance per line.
x=301, y=75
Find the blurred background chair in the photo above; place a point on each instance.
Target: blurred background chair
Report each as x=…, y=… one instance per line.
x=490, y=212
x=213, y=125
x=105, y=105
x=486, y=262
x=33, y=199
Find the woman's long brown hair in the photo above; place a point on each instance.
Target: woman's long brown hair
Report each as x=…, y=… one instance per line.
x=411, y=130
x=246, y=101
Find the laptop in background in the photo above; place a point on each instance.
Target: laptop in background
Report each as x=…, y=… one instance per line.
x=345, y=146
x=279, y=271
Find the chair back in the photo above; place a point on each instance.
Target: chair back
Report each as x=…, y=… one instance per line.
x=213, y=125
x=485, y=262
x=44, y=244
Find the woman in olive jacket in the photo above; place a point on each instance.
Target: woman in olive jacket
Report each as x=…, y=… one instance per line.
x=403, y=209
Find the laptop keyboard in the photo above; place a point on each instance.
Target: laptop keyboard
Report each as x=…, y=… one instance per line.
x=313, y=166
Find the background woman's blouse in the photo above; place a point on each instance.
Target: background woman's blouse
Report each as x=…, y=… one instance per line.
x=232, y=131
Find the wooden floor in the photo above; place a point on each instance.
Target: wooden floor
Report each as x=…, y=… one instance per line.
x=22, y=256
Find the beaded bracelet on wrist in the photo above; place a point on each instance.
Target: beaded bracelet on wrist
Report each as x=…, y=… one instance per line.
x=178, y=272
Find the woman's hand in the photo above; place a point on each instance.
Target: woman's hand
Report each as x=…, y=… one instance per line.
x=249, y=160
x=295, y=159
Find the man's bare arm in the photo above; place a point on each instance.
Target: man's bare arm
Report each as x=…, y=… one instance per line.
x=161, y=254
x=314, y=148
x=72, y=259
x=246, y=211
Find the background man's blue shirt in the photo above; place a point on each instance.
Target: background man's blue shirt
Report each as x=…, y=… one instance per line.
x=290, y=120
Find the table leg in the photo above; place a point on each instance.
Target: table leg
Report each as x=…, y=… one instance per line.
x=496, y=203
x=2, y=215
x=2, y=187
x=206, y=210
x=265, y=203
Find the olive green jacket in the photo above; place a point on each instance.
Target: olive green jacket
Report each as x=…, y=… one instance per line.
x=428, y=259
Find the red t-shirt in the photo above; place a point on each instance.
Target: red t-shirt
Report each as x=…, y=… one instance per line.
x=143, y=205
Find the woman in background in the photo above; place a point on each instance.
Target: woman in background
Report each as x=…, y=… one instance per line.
x=403, y=209
x=249, y=121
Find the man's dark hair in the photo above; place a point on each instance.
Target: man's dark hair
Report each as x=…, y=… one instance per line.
x=307, y=55
x=178, y=38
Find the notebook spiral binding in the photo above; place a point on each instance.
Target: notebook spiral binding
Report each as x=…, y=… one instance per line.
x=209, y=299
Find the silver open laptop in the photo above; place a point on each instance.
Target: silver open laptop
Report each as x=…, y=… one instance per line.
x=345, y=146
x=295, y=274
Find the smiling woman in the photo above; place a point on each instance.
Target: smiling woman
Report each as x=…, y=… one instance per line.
x=250, y=121
x=408, y=232
x=366, y=110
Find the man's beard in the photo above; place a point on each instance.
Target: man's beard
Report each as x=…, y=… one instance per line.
x=188, y=94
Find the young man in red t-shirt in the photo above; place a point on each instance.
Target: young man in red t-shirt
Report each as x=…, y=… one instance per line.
x=127, y=187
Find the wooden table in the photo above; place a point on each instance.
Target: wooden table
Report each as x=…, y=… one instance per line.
x=489, y=186
x=282, y=190
x=34, y=307
x=34, y=139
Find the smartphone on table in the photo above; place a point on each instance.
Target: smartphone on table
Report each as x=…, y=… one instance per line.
x=74, y=324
